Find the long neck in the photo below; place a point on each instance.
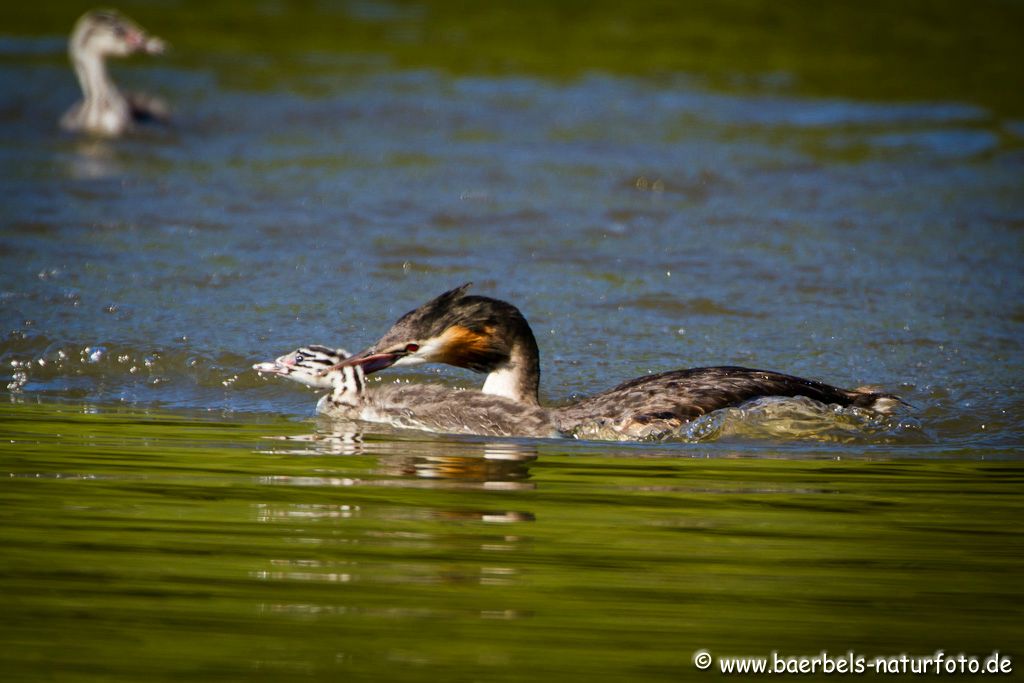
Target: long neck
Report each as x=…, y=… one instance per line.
x=92, y=76
x=519, y=377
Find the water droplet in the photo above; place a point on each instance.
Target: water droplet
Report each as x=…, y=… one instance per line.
x=19, y=379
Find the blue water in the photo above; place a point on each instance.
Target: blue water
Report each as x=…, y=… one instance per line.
x=640, y=226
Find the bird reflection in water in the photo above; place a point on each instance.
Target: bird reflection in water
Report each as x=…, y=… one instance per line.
x=93, y=159
x=337, y=537
x=492, y=465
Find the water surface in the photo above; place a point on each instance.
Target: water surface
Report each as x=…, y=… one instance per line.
x=167, y=545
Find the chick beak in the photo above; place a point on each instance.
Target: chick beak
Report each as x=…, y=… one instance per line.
x=270, y=368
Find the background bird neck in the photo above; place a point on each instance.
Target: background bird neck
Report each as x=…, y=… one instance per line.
x=92, y=76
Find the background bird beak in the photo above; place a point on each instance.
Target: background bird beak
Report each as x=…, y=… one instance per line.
x=154, y=46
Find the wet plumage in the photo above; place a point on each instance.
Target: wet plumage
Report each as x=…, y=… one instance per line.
x=454, y=327
x=661, y=403
x=427, y=407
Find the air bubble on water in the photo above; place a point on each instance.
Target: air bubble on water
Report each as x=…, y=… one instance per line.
x=94, y=354
x=19, y=380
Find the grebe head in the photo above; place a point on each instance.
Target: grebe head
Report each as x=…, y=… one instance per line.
x=310, y=365
x=108, y=33
x=473, y=332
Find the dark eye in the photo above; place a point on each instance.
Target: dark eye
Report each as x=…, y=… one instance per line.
x=412, y=348
x=299, y=358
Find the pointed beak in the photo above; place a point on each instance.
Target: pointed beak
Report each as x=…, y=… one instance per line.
x=272, y=368
x=371, y=362
x=155, y=46
x=140, y=41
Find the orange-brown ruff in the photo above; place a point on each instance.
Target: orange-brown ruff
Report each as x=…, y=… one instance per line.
x=492, y=336
x=466, y=347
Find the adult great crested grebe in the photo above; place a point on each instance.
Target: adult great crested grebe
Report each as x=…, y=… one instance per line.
x=105, y=110
x=491, y=336
x=428, y=407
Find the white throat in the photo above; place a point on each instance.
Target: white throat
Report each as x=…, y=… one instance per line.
x=503, y=382
x=91, y=70
x=103, y=108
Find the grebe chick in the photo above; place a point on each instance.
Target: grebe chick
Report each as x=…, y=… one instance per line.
x=104, y=110
x=492, y=336
x=427, y=407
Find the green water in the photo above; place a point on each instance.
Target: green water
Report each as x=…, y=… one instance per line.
x=157, y=546
x=912, y=50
